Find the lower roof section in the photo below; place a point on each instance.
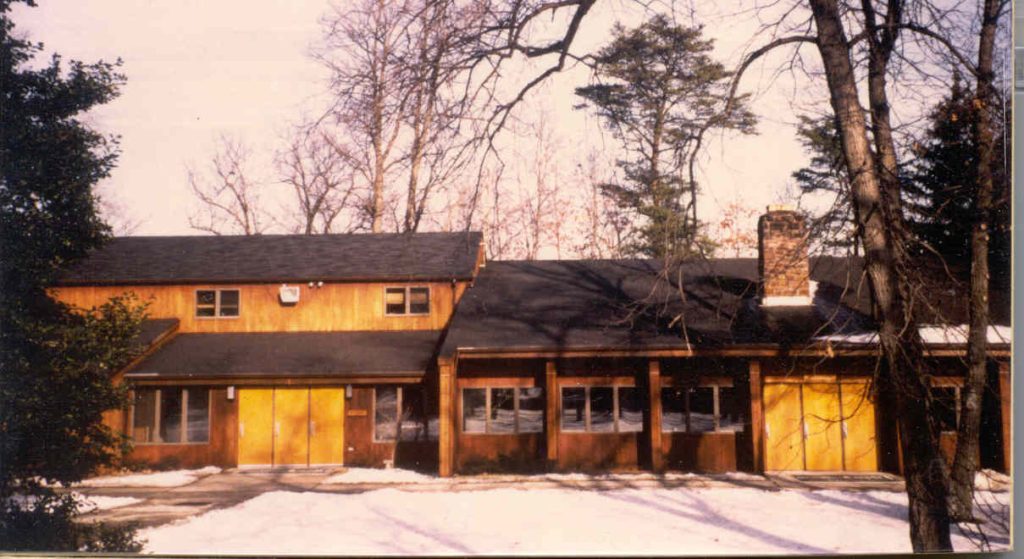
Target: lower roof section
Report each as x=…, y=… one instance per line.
x=291, y=354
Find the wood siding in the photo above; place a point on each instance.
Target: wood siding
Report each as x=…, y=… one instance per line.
x=703, y=452
x=506, y=452
x=362, y=451
x=333, y=307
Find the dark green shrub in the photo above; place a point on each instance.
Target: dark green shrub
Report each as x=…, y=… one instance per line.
x=46, y=522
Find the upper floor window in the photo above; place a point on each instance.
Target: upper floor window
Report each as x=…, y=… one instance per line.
x=217, y=303
x=399, y=301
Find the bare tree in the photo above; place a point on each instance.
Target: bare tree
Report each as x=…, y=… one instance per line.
x=436, y=112
x=498, y=226
x=400, y=101
x=321, y=179
x=732, y=231
x=541, y=209
x=604, y=229
x=117, y=216
x=869, y=156
x=965, y=462
x=228, y=195
x=362, y=49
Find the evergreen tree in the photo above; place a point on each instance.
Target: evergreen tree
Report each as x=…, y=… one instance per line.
x=658, y=92
x=826, y=174
x=56, y=363
x=941, y=186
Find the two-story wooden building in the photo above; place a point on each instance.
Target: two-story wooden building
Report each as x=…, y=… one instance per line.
x=284, y=350
x=410, y=349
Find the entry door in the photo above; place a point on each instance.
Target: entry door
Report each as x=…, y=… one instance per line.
x=255, y=426
x=291, y=426
x=860, y=450
x=326, y=425
x=784, y=444
x=823, y=445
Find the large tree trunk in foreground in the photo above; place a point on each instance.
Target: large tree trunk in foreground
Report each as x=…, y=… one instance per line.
x=965, y=462
x=884, y=255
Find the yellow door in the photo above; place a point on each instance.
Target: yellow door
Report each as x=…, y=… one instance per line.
x=291, y=421
x=784, y=449
x=860, y=449
x=326, y=425
x=823, y=445
x=255, y=426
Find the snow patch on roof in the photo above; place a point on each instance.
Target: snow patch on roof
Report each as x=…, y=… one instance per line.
x=930, y=334
x=792, y=301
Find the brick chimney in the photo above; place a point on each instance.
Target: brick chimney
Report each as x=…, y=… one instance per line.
x=782, y=257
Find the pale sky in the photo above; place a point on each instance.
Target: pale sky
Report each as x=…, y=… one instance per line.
x=198, y=68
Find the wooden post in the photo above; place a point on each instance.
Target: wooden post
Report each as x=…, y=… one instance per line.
x=756, y=416
x=551, y=416
x=1006, y=415
x=446, y=418
x=654, y=398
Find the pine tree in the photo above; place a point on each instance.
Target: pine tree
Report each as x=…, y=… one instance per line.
x=658, y=89
x=56, y=363
x=941, y=186
x=826, y=174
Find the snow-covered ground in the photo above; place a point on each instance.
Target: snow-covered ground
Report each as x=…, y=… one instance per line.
x=174, y=478
x=376, y=475
x=557, y=521
x=93, y=503
x=397, y=475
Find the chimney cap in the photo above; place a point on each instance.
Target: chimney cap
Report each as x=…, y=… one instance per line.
x=781, y=208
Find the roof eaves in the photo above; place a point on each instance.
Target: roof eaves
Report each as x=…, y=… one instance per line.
x=244, y=280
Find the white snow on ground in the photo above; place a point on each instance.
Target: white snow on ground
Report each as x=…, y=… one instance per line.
x=988, y=480
x=92, y=503
x=86, y=503
x=397, y=475
x=174, y=478
x=375, y=475
x=555, y=521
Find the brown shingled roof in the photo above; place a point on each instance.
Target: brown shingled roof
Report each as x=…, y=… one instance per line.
x=278, y=258
x=291, y=354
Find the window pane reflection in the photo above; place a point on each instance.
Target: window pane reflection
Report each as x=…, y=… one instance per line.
x=631, y=411
x=170, y=415
x=144, y=422
x=602, y=404
x=574, y=402
x=198, y=421
x=531, y=410
x=385, y=413
x=503, y=410
x=474, y=410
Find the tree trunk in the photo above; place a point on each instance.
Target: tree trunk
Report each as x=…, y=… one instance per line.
x=965, y=461
x=900, y=340
x=880, y=46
